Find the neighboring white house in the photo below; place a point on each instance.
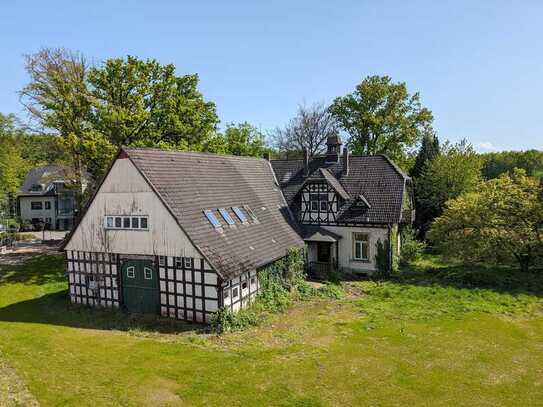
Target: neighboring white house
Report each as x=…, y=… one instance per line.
x=46, y=200
x=177, y=233
x=345, y=205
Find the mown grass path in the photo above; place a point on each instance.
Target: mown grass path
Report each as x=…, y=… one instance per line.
x=435, y=336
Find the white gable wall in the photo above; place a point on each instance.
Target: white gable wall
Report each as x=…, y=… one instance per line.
x=126, y=192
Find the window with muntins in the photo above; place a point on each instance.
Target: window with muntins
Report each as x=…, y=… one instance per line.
x=36, y=205
x=188, y=262
x=126, y=222
x=147, y=273
x=360, y=246
x=318, y=202
x=131, y=272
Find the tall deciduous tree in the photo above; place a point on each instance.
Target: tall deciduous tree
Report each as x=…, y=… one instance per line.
x=145, y=103
x=456, y=170
x=57, y=99
x=238, y=139
x=309, y=130
x=123, y=101
x=12, y=165
x=381, y=117
x=500, y=222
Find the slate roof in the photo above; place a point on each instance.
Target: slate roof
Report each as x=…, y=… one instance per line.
x=189, y=183
x=44, y=176
x=376, y=178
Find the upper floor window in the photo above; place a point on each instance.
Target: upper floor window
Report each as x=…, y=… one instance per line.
x=126, y=222
x=318, y=202
x=36, y=205
x=360, y=246
x=47, y=205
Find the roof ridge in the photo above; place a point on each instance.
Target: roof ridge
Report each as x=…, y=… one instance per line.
x=186, y=152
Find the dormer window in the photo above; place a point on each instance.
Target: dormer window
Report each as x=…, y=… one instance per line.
x=318, y=202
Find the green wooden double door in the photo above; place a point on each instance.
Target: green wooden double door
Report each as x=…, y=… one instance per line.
x=140, y=287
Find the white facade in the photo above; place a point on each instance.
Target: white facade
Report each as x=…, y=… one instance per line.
x=185, y=292
x=46, y=214
x=347, y=262
x=126, y=193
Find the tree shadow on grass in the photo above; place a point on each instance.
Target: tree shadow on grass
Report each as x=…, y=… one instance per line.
x=500, y=279
x=32, y=268
x=56, y=309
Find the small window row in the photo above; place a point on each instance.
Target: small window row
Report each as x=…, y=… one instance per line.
x=126, y=222
x=242, y=215
x=179, y=261
x=39, y=205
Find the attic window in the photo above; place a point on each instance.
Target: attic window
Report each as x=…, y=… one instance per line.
x=226, y=216
x=251, y=213
x=212, y=219
x=241, y=216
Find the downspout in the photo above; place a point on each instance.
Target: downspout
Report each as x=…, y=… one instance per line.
x=389, y=248
x=337, y=255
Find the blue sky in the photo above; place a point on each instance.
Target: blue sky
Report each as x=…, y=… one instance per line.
x=478, y=65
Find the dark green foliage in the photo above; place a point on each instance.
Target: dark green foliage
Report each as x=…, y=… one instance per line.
x=411, y=248
x=429, y=149
x=456, y=170
x=382, y=257
x=495, y=164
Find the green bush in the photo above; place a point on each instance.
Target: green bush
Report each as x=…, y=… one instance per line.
x=280, y=284
x=411, y=248
x=382, y=257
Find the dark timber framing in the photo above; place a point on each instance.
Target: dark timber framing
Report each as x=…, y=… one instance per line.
x=328, y=216
x=94, y=278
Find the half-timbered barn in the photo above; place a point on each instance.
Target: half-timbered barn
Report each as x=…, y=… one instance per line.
x=178, y=233
x=345, y=204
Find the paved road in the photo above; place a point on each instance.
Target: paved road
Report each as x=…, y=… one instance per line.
x=50, y=235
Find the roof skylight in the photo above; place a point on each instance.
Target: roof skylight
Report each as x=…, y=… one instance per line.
x=226, y=216
x=251, y=213
x=212, y=218
x=241, y=216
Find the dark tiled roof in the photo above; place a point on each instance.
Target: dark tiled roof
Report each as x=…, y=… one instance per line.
x=374, y=177
x=44, y=176
x=315, y=233
x=190, y=182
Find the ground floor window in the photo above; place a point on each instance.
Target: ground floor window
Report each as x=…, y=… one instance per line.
x=360, y=246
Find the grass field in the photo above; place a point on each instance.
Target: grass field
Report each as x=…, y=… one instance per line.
x=437, y=335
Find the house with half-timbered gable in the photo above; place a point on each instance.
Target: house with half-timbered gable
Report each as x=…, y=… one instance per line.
x=345, y=206
x=178, y=233
x=183, y=234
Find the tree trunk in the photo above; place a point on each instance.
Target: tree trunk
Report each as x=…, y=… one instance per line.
x=524, y=261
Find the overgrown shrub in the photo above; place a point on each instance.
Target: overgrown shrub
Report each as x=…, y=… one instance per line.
x=280, y=284
x=382, y=257
x=411, y=249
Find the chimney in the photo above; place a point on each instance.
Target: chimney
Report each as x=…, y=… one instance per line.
x=306, y=162
x=333, y=144
x=345, y=161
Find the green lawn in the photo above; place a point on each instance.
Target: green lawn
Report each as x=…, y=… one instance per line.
x=437, y=335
